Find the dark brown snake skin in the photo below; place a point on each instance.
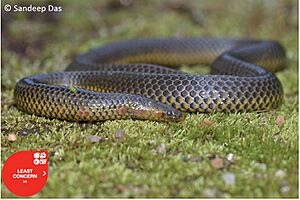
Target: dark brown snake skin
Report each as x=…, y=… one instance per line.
x=94, y=90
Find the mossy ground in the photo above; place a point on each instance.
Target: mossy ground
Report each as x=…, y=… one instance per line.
x=152, y=159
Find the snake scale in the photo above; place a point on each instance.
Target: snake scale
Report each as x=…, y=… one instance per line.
x=129, y=79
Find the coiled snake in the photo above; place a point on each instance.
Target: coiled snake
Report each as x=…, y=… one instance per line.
x=92, y=89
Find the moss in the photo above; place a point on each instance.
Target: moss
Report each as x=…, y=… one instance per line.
x=138, y=165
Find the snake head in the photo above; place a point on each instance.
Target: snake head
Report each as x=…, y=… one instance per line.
x=171, y=115
x=157, y=111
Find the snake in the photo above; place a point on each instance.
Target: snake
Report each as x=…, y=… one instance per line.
x=139, y=79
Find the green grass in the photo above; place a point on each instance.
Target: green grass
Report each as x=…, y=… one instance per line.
x=134, y=165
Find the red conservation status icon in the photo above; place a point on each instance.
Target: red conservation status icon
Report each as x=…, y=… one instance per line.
x=25, y=173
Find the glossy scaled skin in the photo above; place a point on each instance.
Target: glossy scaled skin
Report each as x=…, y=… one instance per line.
x=75, y=104
x=243, y=85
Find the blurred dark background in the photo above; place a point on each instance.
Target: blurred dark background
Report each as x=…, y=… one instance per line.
x=28, y=34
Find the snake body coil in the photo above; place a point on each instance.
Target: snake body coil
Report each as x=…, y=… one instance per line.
x=92, y=89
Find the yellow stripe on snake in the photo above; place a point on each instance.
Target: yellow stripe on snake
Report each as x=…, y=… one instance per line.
x=128, y=79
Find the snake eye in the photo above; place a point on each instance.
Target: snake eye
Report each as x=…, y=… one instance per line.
x=171, y=114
